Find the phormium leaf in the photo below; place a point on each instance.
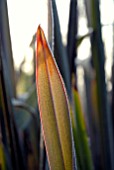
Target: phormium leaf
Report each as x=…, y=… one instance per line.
x=2, y=157
x=81, y=138
x=53, y=106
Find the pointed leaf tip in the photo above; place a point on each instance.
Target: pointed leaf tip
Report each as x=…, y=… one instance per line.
x=41, y=37
x=53, y=106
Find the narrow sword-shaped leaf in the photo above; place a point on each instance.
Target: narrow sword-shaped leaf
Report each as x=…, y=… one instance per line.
x=98, y=56
x=72, y=34
x=2, y=157
x=53, y=106
x=84, y=157
x=60, y=51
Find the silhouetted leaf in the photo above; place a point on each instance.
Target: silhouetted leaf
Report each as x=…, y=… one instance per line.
x=60, y=52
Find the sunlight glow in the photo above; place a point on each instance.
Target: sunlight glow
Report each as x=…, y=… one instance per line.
x=26, y=15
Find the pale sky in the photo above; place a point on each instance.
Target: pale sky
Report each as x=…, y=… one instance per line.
x=24, y=18
x=26, y=15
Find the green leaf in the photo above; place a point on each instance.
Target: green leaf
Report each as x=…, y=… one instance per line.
x=53, y=106
x=2, y=158
x=81, y=139
x=105, y=123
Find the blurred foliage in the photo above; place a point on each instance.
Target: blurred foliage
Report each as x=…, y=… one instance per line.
x=24, y=83
x=91, y=103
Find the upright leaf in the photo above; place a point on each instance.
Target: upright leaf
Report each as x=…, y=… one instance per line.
x=98, y=57
x=53, y=106
x=2, y=157
x=60, y=51
x=72, y=34
x=50, y=25
x=84, y=156
x=6, y=46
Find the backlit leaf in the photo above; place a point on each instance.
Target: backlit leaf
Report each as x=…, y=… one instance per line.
x=84, y=156
x=53, y=106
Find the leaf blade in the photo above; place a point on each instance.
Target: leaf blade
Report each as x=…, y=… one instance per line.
x=53, y=104
x=85, y=157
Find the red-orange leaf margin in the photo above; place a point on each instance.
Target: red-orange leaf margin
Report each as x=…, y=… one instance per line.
x=53, y=107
